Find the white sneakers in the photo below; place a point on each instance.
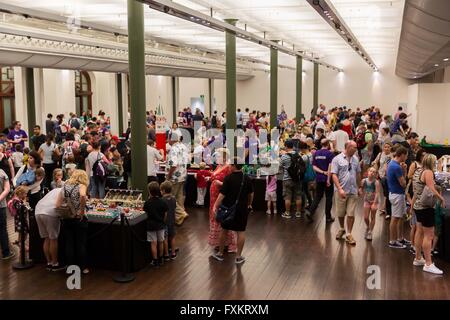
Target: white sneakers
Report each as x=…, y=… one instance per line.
x=432, y=269
x=419, y=263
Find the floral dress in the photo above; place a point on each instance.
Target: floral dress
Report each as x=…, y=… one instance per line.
x=214, y=227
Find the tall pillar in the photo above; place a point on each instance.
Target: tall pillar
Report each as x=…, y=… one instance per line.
x=31, y=106
x=120, y=102
x=136, y=62
x=230, y=52
x=211, y=96
x=298, y=89
x=273, y=86
x=316, y=90
x=174, y=100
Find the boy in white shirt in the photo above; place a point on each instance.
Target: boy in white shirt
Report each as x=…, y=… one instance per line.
x=17, y=158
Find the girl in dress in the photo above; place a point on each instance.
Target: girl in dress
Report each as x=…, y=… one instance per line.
x=223, y=169
x=370, y=189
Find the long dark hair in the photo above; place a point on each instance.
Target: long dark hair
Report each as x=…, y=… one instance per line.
x=50, y=137
x=37, y=158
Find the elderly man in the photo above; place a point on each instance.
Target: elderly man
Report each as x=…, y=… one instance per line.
x=347, y=179
x=176, y=172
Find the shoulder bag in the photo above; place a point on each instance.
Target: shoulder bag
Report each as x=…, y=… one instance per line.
x=226, y=214
x=427, y=198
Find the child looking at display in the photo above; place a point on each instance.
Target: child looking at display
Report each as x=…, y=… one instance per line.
x=156, y=210
x=202, y=177
x=169, y=239
x=370, y=189
x=17, y=158
x=17, y=206
x=271, y=193
x=57, y=179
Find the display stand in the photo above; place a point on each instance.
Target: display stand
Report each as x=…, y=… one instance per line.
x=23, y=263
x=124, y=276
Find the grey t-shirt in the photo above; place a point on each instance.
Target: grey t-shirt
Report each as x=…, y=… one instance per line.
x=3, y=179
x=346, y=171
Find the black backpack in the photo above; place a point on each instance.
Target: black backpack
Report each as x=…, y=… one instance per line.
x=214, y=121
x=297, y=168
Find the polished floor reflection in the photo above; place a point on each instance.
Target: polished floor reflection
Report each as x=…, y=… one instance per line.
x=285, y=260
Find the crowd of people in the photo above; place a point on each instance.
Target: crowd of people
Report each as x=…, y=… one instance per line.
x=340, y=153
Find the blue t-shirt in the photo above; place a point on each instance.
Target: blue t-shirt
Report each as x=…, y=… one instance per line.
x=395, y=127
x=393, y=173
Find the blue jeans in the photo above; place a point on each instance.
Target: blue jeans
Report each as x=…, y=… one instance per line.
x=4, y=241
x=97, y=188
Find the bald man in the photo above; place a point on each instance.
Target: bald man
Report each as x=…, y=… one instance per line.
x=347, y=179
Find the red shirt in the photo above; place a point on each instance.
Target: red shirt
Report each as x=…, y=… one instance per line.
x=201, y=178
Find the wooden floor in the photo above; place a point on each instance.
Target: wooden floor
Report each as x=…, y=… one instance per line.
x=285, y=260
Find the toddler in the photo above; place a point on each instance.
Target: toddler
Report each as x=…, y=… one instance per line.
x=17, y=206
x=17, y=158
x=57, y=179
x=26, y=152
x=202, y=177
x=271, y=193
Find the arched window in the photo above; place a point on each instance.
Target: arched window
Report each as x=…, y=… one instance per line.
x=7, y=97
x=83, y=92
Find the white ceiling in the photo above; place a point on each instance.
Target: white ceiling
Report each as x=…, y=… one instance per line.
x=376, y=23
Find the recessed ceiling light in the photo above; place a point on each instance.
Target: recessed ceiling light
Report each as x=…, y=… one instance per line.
x=446, y=59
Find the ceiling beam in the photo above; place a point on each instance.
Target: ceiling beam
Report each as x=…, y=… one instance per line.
x=329, y=13
x=188, y=14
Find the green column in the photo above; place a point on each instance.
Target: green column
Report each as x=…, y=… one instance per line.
x=316, y=90
x=211, y=96
x=136, y=62
x=120, y=102
x=31, y=109
x=273, y=87
x=230, y=52
x=174, y=100
x=298, y=89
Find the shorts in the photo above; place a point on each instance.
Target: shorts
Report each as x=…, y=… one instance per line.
x=398, y=205
x=346, y=206
x=372, y=205
x=271, y=196
x=157, y=235
x=169, y=232
x=292, y=190
x=48, y=226
x=426, y=217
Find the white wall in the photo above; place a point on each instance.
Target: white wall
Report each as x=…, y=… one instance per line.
x=21, y=97
x=104, y=96
x=193, y=88
x=59, y=92
x=158, y=90
x=413, y=100
x=433, y=111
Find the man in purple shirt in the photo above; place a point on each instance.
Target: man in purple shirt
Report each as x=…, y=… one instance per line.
x=322, y=166
x=17, y=135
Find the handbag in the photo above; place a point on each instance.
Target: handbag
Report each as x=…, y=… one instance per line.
x=428, y=198
x=226, y=214
x=67, y=210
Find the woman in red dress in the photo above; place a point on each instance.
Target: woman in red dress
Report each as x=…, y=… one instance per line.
x=217, y=178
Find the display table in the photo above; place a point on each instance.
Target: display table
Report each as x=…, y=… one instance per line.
x=437, y=149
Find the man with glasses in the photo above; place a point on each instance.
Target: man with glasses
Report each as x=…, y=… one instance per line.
x=17, y=135
x=347, y=179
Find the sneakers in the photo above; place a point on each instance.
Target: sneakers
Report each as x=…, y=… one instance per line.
x=404, y=242
x=154, y=263
x=286, y=215
x=57, y=267
x=11, y=255
x=419, y=263
x=330, y=220
x=49, y=267
x=396, y=245
x=269, y=212
x=298, y=214
x=340, y=234
x=274, y=211
x=166, y=258
x=217, y=256
x=412, y=250
x=387, y=217
x=432, y=269
x=349, y=239
x=369, y=236
x=173, y=256
x=240, y=260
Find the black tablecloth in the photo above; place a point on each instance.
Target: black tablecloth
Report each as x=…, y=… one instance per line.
x=444, y=239
x=104, y=244
x=437, y=151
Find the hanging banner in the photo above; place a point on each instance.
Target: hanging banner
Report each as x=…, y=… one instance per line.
x=160, y=129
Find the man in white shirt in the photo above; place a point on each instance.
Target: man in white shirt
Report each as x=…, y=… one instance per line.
x=239, y=118
x=245, y=116
x=319, y=124
x=339, y=138
x=153, y=155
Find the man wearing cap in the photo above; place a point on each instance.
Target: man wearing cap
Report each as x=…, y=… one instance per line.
x=176, y=172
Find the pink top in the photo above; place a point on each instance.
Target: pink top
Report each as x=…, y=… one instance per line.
x=271, y=184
